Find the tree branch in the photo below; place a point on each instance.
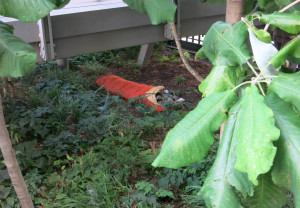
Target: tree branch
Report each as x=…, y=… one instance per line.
x=12, y=165
x=185, y=62
x=283, y=10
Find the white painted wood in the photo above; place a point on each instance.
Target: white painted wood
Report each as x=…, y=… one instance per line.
x=7, y=19
x=87, y=26
x=78, y=6
x=43, y=43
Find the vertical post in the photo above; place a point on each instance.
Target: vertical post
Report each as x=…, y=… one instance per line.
x=63, y=63
x=145, y=54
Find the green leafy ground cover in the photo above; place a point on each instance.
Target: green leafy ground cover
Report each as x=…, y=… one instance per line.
x=79, y=146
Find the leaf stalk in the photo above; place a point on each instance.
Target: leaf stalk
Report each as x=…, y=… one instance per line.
x=283, y=10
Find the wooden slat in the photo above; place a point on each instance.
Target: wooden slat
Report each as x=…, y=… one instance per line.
x=80, y=3
x=78, y=6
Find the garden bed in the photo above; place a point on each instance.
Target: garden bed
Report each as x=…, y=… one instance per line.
x=79, y=146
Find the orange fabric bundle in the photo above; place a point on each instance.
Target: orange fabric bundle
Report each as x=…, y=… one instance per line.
x=128, y=89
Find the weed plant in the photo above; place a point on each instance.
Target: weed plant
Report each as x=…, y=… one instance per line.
x=180, y=79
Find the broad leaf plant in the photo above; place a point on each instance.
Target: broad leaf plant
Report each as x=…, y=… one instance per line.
x=16, y=56
x=249, y=87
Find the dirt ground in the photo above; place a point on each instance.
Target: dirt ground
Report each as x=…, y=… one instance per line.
x=168, y=74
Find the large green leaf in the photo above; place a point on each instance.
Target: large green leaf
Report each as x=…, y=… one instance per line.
x=218, y=190
x=190, y=140
x=290, y=50
x=226, y=47
x=225, y=44
x=255, y=150
x=159, y=11
x=289, y=22
x=287, y=86
x=286, y=168
x=16, y=56
x=220, y=79
x=26, y=11
x=267, y=194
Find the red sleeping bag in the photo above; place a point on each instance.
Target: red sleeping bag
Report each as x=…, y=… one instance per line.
x=128, y=89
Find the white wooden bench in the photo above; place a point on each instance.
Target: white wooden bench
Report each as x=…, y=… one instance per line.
x=88, y=26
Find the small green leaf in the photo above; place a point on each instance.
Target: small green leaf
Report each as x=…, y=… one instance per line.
x=289, y=22
x=267, y=194
x=218, y=188
x=16, y=56
x=290, y=50
x=26, y=11
x=255, y=151
x=263, y=36
x=286, y=168
x=287, y=87
x=220, y=79
x=190, y=140
x=69, y=157
x=3, y=175
x=226, y=47
x=164, y=193
x=159, y=11
x=4, y=192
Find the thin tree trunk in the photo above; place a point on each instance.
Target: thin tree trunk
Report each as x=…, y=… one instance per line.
x=234, y=10
x=234, y=13
x=12, y=164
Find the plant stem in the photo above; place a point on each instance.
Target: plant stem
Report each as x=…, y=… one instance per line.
x=283, y=10
x=262, y=71
x=261, y=89
x=247, y=82
x=271, y=76
x=252, y=68
x=183, y=58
